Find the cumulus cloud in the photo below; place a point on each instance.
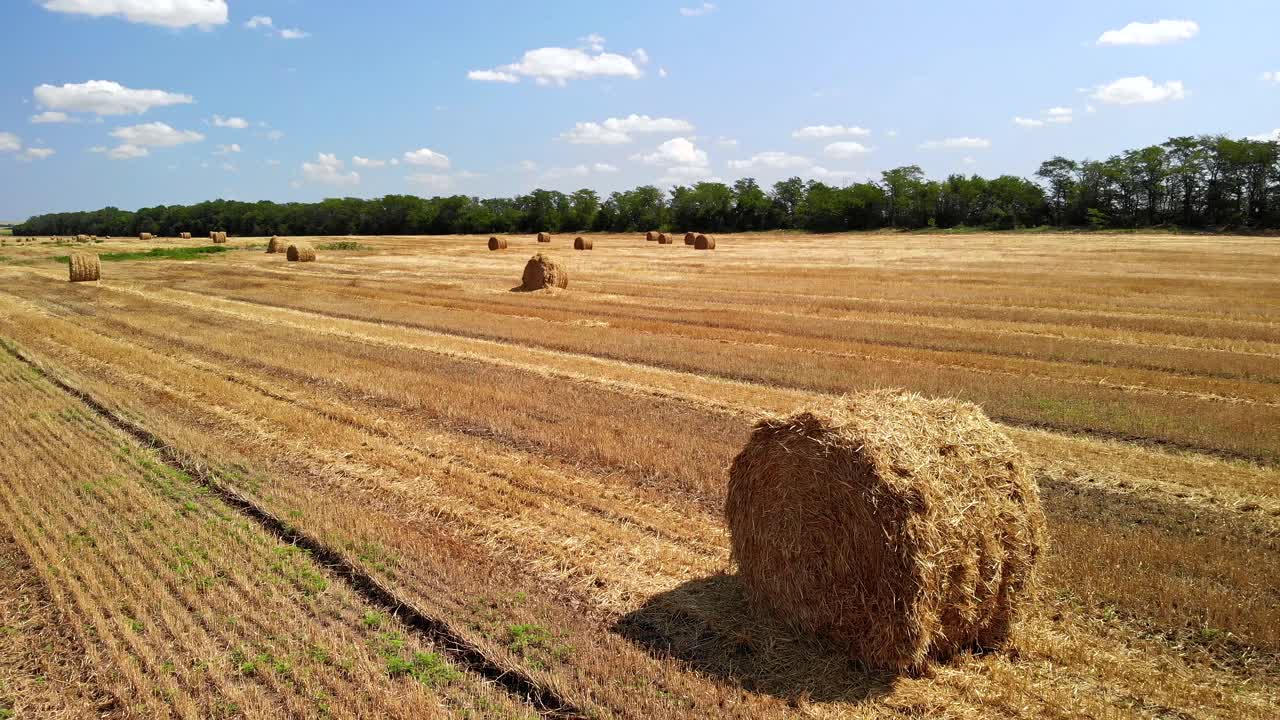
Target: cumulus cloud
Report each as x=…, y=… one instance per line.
x=9, y=142
x=845, y=149
x=1271, y=76
x=594, y=41
x=227, y=149
x=822, y=173
x=231, y=122
x=51, y=116
x=705, y=8
x=830, y=131
x=957, y=143
x=557, y=65
x=258, y=21
x=1138, y=90
x=675, y=152
x=105, y=97
x=662, y=72
x=155, y=134
x=431, y=181
x=367, y=163
x=618, y=131
x=1059, y=115
x=1160, y=32
x=772, y=160
x=36, y=153
x=1273, y=136
x=1027, y=122
x=166, y=13
x=328, y=169
x=294, y=34
x=428, y=157
x=122, y=152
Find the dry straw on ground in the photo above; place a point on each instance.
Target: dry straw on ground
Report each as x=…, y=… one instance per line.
x=275, y=244
x=899, y=527
x=689, y=238
x=144, y=236
x=85, y=267
x=301, y=252
x=651, y=236
x=544, y=237
x=704, y=242
x=581, y=243
x=543, y=272
x=185, y=235
x=664, y=239
x=497, y=243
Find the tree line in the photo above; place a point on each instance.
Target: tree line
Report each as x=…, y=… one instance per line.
x=1209, y=181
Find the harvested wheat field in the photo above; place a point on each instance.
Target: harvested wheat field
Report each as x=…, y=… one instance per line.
x=388, y=485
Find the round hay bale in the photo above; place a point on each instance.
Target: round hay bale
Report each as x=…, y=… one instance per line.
x=185, y=235
x=899, y=527
x=651, y=236
x=497, y=243
x=689, y=238
x=145, y=236
x=704, y=242
x=275, y=245
x=543, y=272
x=219, y=237
x=664, y=239
x=84, y=267
x=581, y=243
x=300, y=252
x=544, y=237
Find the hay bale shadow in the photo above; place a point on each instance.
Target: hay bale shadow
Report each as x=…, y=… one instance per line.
x=707, y=624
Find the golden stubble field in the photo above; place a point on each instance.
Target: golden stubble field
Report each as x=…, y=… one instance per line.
x=384, y=484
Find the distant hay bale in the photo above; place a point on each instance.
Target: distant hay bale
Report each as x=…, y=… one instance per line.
x=218, y=237
x=689, y=238
x=704, y=242
x=543, y=272
x=82, y=238
x=275, y=245
x=185, y=235
x=145, y=236
x=544, y=237
x=301, y=252
x=581, y=243
x=664, y=239
x=899, y=527
x=497, y=243
x=84, y=267
x=651, y=236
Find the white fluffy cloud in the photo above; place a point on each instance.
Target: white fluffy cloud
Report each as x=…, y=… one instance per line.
x=618, y=131
x=258, y=21
x=166, y=13
x=557, y=65
x=428, y=157
x=1273, y=136
x=822, y=173
x=957, y=143
x=431, y=181
x=772, y=160
x=155, y=134
x=105, y=97
x=675, y=152
x=1138, y=90
x=9, y=142
x=294, y=34
x=1271, y=76
x=1054, y=115
x=1027, y=122
x=705, y=8
x=367, y=163
x=1160, y=32
x=36, y=154
x=237, y=123
x=122, y=152
x=604, y=168
x=328, y=169
x=51, y=116
x=846, y=149
x=830, y=131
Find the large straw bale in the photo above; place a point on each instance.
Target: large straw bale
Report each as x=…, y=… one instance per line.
x=543, y=272
x=497, y=243
x=581, y=243
x=544, y=237
x=275, y=245
x=704, y=242
x=85, y=267
x=300, y=252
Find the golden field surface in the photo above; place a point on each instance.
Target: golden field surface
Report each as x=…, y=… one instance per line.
x=384, y=484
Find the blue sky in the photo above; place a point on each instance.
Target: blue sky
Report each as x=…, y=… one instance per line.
x=495, y=98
